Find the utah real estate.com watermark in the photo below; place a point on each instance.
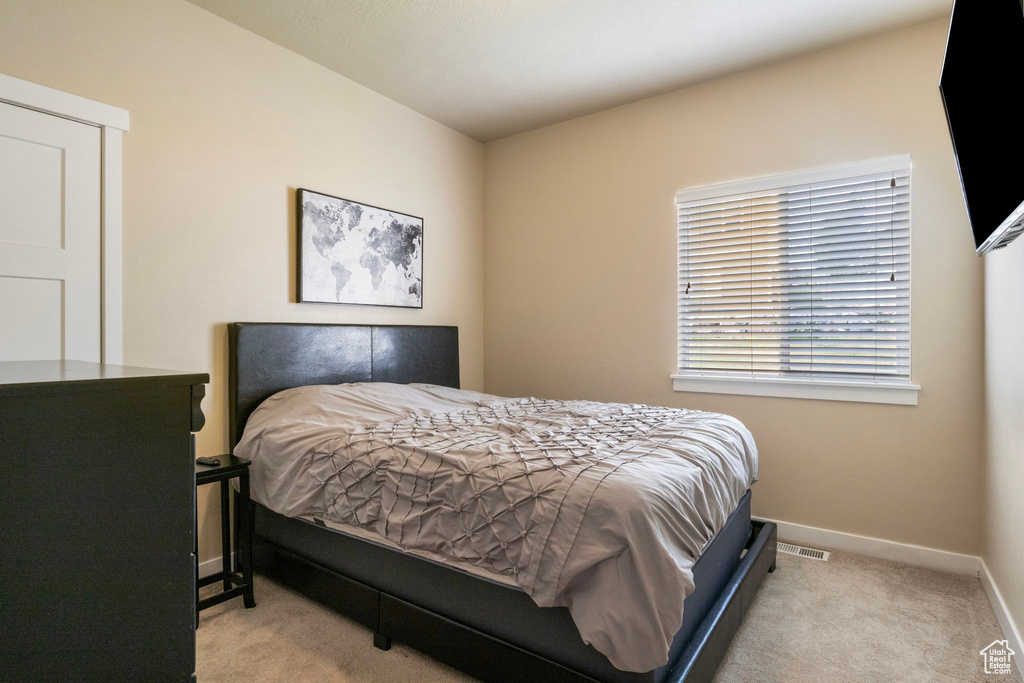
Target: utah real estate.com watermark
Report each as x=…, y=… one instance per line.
x=998, y=658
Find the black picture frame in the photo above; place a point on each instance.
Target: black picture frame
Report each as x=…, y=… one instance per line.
x=368, y=255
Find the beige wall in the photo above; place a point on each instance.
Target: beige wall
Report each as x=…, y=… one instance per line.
x=580, y=277
x=224, y=126
x=579, y=244
x=1004, y=371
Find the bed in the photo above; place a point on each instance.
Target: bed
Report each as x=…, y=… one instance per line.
x=482, y=626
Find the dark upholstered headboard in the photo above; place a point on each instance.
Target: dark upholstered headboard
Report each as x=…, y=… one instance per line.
x=265, y=358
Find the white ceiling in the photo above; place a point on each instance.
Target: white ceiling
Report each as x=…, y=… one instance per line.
x=491, y=68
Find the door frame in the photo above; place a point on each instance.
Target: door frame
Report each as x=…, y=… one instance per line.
x=113, y=124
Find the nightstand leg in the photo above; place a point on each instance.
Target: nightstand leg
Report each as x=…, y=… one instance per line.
x=244, y=540
x=236, y=566
x=225, y=531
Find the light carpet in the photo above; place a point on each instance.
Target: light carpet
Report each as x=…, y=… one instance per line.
x=847, y=620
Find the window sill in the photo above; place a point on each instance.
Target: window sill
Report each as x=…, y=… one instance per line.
x=786, y=387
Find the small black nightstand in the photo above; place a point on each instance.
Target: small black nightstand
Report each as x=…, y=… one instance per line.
x=238, y=581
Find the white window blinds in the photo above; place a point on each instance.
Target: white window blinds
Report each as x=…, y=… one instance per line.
x=798, y=279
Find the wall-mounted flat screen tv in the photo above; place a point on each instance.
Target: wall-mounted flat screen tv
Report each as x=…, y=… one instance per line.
x=982, y=75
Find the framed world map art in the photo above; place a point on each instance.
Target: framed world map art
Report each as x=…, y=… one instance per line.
x=353, y=253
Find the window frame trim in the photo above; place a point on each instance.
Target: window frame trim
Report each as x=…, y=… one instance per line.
x=902, y=392
x=890, y=164
x=860, y=391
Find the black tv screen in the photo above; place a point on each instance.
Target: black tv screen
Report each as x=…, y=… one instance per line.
x=981, y=79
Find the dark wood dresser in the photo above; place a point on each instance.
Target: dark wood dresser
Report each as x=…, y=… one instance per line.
x=97, y=518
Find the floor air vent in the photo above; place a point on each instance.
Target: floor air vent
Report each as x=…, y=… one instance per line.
x=812, y=553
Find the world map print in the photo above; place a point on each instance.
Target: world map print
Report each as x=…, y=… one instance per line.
x=353, y=253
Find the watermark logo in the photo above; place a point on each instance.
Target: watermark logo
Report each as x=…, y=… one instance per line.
x=998, y=657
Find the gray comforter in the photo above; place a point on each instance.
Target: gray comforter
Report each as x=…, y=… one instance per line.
x=602, y=508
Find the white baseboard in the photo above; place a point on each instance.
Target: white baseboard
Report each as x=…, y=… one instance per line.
x=1010, y=630
x=211, y=566
x=916, y=555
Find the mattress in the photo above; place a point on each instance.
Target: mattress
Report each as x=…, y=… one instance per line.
x=601, y=508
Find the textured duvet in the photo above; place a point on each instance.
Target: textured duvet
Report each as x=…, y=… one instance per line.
x=600, y=507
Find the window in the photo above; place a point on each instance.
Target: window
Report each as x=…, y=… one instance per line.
x=798, y=285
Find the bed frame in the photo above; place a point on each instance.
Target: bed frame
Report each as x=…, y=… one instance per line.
x=484, y=628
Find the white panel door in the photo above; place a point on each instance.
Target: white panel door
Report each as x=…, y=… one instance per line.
x=50, y=248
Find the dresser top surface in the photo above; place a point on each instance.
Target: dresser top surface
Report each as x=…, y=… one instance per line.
x=16, y=375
